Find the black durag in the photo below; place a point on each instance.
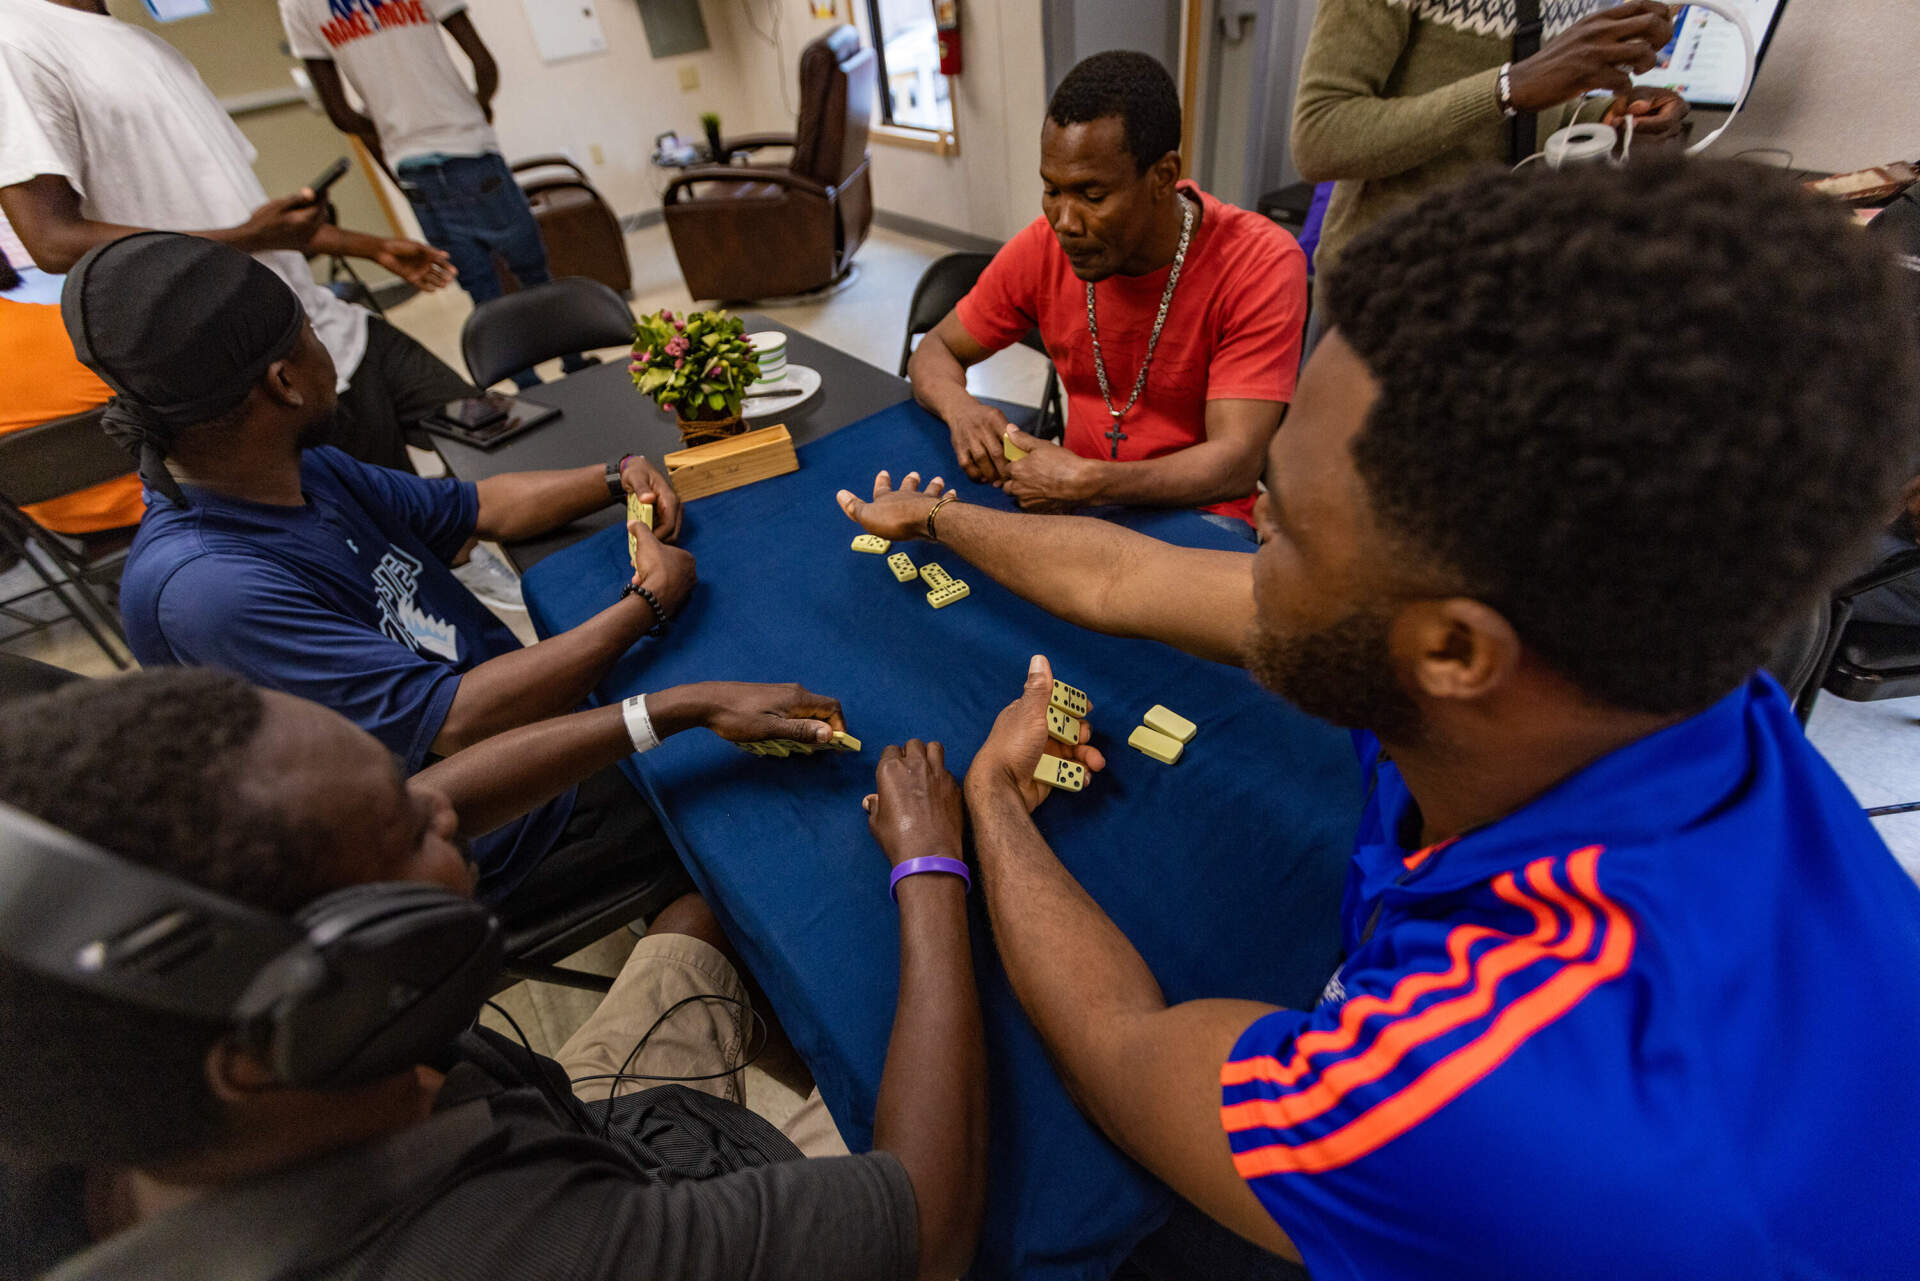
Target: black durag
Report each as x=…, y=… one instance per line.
x=181, y=329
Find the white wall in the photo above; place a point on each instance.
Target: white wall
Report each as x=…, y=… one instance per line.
x=616, y=101
x=1837, y=88
x=991, y=187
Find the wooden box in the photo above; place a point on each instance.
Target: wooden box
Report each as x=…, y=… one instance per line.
x=730, y=463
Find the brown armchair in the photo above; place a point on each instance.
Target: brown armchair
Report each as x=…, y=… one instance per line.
x=764, y=231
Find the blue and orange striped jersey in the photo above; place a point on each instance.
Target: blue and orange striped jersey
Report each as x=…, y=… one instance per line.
x=1663, y=1021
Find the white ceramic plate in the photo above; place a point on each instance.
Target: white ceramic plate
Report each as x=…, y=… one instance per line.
x=800, y=383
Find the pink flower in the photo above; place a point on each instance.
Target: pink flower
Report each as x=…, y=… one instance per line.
x=641, y=359
x=678, y=347
x=666, y=315
x=679, y=362
x=680, y=326
x=712, y=369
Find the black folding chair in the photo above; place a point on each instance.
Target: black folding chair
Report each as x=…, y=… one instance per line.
x=52, y=461
x=519, y=330
x=941, y=288
x=1831, y=651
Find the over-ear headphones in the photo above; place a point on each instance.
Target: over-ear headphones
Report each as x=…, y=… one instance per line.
x=360, y=984
x=1594, y=143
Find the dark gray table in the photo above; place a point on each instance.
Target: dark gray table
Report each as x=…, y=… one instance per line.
x=602, y=417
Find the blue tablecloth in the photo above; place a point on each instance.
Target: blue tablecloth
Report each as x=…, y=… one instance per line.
x=1225, y=870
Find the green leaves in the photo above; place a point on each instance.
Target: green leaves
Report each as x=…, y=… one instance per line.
x=699, y=363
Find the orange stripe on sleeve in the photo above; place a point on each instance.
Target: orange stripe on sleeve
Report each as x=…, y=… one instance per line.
x=1394, y=1041
x=1453, y=1075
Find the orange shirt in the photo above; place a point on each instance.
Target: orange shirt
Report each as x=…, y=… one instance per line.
x=40, y=380
x=1233, y=330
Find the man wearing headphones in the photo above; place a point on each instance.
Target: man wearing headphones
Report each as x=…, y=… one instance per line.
x=314, y=573
x=237, y=957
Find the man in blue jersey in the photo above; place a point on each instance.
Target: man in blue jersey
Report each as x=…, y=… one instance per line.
x=1629, y=978
x=312, y=573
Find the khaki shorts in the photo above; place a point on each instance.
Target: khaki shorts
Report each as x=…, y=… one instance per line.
x=701, y=1038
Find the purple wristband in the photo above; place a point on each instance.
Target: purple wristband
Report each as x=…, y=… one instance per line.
x=931, y=863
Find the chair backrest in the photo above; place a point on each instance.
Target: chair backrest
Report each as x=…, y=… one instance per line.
x=837, y=82
x=942, y=285
x=59, y=458
x=557, y=318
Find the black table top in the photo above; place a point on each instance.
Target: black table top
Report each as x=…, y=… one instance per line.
x=602, y=416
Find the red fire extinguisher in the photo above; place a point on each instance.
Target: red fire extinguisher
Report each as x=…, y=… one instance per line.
x=946, y=19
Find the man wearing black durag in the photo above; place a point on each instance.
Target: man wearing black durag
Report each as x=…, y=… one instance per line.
x=312, y=573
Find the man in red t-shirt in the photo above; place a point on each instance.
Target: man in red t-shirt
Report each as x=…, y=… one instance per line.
x=1116, y=221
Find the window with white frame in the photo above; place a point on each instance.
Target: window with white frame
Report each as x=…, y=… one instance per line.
x=913, y=93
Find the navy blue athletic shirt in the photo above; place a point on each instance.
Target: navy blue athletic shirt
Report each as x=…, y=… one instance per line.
x=1663, y=1021
x=347, y=601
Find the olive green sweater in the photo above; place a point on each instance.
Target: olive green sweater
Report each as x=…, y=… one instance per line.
x=1400, y=97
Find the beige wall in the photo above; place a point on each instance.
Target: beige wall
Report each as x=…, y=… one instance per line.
x=991, y=186
x=1837, y=87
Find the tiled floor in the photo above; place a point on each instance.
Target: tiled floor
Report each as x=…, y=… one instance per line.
x=1875, y=746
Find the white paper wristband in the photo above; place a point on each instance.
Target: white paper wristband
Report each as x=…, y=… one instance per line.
x=639, y=724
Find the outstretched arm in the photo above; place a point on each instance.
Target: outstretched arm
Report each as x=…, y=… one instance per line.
x=497, y=781
x=1147, y=1074
x=1090, y=572
x=45, y=213
x=1223, y=467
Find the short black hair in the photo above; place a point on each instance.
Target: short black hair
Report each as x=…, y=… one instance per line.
x=150, y=767
x=1132, y=86
x=1647, y=414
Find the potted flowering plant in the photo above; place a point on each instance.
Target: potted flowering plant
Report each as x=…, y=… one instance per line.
x=699, y=366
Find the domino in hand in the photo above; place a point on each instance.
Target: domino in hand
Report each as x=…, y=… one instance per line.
x=871, y=543
x=1070, y=700
x=642, y=512
x=1172, y=724
x=1155, y=744
x=1062, y=728
x=1010, y=451
x=844, y=742
x=934, y=576
x=902, y=566
x=1062, y=775
x=947, y=593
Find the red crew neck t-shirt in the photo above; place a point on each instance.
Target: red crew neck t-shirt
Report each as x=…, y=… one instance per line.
x=1233, y=330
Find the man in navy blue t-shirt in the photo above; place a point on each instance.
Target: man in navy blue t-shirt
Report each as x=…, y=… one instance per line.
x=315, y=574
x=1629, y=979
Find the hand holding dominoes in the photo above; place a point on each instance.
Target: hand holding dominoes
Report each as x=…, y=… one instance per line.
x=752, y=715
x=642, y=480
x=897, y=514
x=1038, y=745
x=1043, y=476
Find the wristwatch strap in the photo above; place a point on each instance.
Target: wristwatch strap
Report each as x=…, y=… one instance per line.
x=617, y=488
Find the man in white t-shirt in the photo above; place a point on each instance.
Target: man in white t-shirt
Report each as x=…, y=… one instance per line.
x=105, y=129
x=434, y=133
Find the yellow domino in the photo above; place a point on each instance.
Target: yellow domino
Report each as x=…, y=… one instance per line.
x=1155, y=744
x=934, y=576
x=1072, y=701
x=1063, y=775
x=1010, y=451
x=1171, y=723
x=947, y=593
x=642, y=512
x=844, y=742
x=796, y=748
x=755, y=748
x=1062, y=727
x=902, y=566
x=871, y=543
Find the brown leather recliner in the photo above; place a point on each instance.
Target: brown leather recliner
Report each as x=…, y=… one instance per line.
x=761, y=231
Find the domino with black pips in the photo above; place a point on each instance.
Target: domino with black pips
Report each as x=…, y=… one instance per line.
x=1061, y=775
x=843, y=742
x=871, y=543
x=947, y=593
x=1072, y=701
x=934, y=576
x=642, y=512
x=903, y=568
x=1062, y=728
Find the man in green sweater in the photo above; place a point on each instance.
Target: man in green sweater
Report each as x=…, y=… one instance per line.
x=1401, y=97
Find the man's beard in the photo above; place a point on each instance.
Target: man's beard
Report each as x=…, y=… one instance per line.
x=1342, y=674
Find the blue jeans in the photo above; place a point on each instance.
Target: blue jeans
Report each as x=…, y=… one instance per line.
x=471, y=207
